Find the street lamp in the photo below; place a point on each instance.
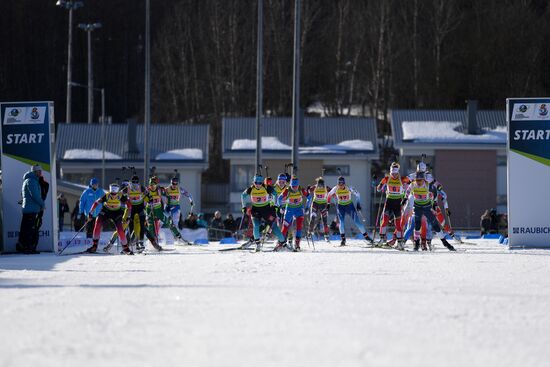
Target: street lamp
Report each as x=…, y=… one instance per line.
x=70, y=6
x=89, y=27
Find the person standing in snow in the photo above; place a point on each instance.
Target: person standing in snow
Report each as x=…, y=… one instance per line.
x=423, y=208
x=343, y=194
x=319, y=206
x=395, y=186
x=32, y=205
x=294, y=198
x=261, y=199
x=174, y=193
x=112, y=209
x=87, y=199
x=156, y=199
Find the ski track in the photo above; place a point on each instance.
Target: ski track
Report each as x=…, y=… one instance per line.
x=347, y=306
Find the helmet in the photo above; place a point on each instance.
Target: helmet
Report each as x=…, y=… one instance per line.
x=281, y=176
x=154, y=180
x=341, y=180
x=135, y=179
x=258, y=179
x=114, y=188
x=421, y=167
x=174, y=181
x=294, y=182
x=320, y=181
x=93, y=181
x=268, y=181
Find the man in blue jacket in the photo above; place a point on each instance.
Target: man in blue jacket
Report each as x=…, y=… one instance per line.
x=33, y=207
x=87, y=199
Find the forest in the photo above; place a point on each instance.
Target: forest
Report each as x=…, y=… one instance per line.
x=375, y=55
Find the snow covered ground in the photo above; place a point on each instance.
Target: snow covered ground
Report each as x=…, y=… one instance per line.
x=348, y=306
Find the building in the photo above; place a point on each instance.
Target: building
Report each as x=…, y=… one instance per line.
x=174, y=150
x=328, y=146
x=465, y=149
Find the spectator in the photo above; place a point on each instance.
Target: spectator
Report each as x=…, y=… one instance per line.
x=76, y=223
x=87, y=199
x=229, y=223
x=201, y=222
x=62, y=208
x=493, y=228
x=33, y=205
x=216, y=226
x=191, y=221
x=485, y=222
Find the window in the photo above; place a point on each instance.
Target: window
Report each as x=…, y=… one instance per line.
x=241, y=177
x=332, y=170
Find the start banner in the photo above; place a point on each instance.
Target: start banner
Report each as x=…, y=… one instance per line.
x=27, y=130
x=528, y=168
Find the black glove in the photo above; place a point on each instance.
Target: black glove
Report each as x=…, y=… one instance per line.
x=167, y=209
x=358, y=206
x=90, y=216
x=243, y=209
x=79, y=216
x=448, y=212
x=404, y=202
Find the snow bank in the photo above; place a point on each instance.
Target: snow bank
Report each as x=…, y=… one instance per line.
x=449, y=132
x=93, y=154
x=180, y=154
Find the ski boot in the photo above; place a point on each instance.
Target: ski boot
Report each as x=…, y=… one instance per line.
x=108, y=247
x=280, y=246
x=327, y=238
x=247, y=244
x=92, y=249
x=423, y=245
x=367, y=238
x=155, y=244
x=343, y=240
x=448, y=245
x=392, y=242
x=126, y=250
x=258, y=246
x=140, y=247
x=430, y=245
x=400, y=245
x=297, y=245
x=416, y=245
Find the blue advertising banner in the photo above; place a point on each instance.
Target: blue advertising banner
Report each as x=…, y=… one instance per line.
x=528, y=171
x=27, y=139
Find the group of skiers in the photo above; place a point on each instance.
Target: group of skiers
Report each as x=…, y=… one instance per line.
x=411, y=203
x=136, y=211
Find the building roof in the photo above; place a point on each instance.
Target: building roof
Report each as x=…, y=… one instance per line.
x=342, y=136
x=168, y=142
x=447, y=128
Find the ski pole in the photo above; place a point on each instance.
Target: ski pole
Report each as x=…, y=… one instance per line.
x=72, y=239
x=377, y=215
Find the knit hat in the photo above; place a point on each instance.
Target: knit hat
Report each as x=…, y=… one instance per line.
x=36, y=167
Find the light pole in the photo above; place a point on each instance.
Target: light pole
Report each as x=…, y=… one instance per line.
x=70, y=6
x=147, y=117
x=259, y=83
x=89, y=27
x=296, y=85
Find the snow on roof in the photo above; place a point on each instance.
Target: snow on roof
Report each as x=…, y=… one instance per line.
x=180, y=154
x=268, y=143
x=449, y=132
x=92, y=154
x=273, y=143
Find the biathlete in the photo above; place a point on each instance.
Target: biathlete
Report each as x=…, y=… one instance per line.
x=343, y=194
x=294, y=198
x=260, y=197
x=319, y=207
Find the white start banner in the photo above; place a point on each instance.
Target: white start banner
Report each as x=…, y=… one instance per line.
x=27, y=130
x=528, y=171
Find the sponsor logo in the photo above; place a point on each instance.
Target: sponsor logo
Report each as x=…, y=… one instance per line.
x=523, y=108
x=530, y=230
x=24, y=115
